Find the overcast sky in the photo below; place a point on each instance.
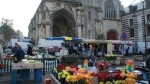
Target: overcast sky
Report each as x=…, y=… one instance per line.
x=22, y=11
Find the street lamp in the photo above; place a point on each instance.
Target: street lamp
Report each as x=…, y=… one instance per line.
x=144, y=28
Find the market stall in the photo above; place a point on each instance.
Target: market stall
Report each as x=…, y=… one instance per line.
x=101, y=73
x=25, y=66
x=62, y=42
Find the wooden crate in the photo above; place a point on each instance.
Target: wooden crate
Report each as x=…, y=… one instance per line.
x=2, y=66
x=46, y=80
x=138, y=57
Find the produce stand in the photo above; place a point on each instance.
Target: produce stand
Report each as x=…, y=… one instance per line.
x=113, y=58
x=25, y=66
x=2, y=66
x=138, y=57
x=102, y=74
x=69, y=59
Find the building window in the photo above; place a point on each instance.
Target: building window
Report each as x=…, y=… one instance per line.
x=82, y=30
x=110, y=12
x=44, y=15
x=131, y=31
x=148, y=18
x=89, y=15
x=89, y=34
x=148, y=31
x=131, y=22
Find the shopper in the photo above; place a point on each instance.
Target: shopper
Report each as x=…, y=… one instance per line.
x=29, y=50
x=19, y=55
x=15, y=48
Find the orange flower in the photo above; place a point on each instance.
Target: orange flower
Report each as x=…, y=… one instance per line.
x=123, y=74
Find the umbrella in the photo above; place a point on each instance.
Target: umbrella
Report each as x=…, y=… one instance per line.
x=67, y=38
x=77, y=39
x=59, y=38
x=55, y=38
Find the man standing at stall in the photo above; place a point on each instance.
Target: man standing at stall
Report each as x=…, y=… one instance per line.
x=29, y=50
x=15, y=48
x=19, y=54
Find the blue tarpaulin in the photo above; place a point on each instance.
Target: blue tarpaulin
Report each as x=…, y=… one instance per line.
x=55, y=38
x=77, y=39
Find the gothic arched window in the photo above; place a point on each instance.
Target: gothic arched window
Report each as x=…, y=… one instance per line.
x=110, y=12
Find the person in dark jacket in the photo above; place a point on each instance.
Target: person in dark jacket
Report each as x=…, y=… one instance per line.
x=19, y=54
x=15, y=48
x=29, y=50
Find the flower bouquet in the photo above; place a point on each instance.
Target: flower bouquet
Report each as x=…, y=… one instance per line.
x=80, y=77
x=59, y=67
x=102, y=65
x=62, y=76
x=104, y=77
x=73, y=75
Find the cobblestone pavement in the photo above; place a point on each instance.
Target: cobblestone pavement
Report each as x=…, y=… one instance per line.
x=5, y=78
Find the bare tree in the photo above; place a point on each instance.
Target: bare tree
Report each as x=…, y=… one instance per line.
x=6, y=29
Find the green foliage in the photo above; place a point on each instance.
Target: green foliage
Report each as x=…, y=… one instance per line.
x=6, y=29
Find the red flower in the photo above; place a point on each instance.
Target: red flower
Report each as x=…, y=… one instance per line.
x=102, y=65
x=60, y=67
x=104, y=76
x=72, y=66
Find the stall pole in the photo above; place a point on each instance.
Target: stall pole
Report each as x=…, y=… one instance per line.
x=43, y=64
x=123, y=53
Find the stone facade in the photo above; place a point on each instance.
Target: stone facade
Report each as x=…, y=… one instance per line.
x=91, y=19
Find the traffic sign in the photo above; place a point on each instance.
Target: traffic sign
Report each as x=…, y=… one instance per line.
x=123, y=36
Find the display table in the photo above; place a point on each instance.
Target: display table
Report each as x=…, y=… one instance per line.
x=25, y=73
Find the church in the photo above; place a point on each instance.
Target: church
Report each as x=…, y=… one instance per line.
x=90, y=19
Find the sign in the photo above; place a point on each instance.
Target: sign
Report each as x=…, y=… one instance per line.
x=123, y=36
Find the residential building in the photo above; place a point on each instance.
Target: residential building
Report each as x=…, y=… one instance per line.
x=136, y=21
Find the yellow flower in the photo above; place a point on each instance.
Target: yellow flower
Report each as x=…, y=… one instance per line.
x=67, y=68
x=101, y=83
x=108, y=82
x=55, y=69
x=118, y=82
x=68, y=78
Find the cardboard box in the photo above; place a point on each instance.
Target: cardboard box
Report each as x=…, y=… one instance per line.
x=94, y=80
x=46, y=80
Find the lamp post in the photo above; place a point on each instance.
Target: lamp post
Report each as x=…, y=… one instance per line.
x=143, y=10
x=144, y=29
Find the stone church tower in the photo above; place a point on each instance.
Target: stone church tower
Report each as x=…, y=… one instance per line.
x=91, y=19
